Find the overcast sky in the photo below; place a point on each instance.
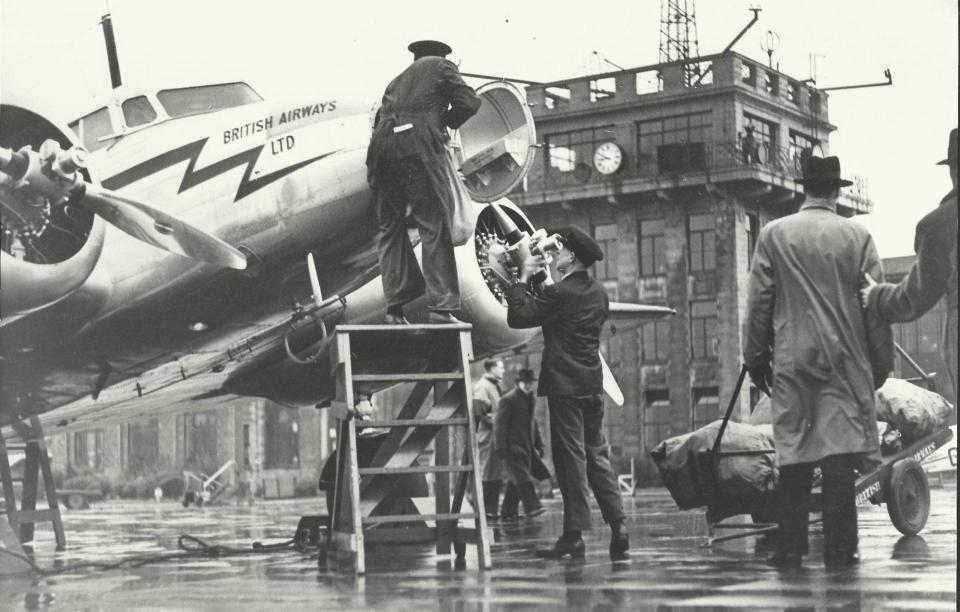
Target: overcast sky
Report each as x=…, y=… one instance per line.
x=891, y=135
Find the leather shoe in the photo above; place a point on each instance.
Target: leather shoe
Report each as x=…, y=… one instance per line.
x=563, y=547
x=395, y=319
x=784, y=560
x=619, y=544
x=442, y=318
x=837, y=561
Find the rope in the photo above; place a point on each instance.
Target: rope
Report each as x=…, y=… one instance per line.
x=191, y=547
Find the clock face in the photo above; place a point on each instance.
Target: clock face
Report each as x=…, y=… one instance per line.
x=608, y=158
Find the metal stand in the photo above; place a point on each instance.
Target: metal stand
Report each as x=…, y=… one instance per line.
x=433, y=356
x=37, y=462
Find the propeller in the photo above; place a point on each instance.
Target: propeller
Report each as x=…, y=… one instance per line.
x=54, y=173
x=610, y=385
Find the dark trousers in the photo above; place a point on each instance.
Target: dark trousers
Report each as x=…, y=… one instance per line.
x=517, y=493
x=581, y=459
x=404, y=189
x=839, y=506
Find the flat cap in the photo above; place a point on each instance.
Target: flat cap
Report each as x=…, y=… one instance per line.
x=422, y=48
x=581, y=243
x=526, y=375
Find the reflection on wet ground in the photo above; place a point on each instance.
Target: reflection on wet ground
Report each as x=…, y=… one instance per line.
x=668, y=568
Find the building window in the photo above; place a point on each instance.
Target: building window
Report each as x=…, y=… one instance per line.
x=653, y=259
x=753, y=229
x=601, y=89
x=800, y=149
x=88, y=449
x=605, y=270
x=793, y=92
x=701, y=238
x=703, y=329
x=91, y=129
x=748, y=74
x=656, y=417
x=654, y=342
x=569, y=155
x=772, y=84
x=200, y=441
x=143, y=446
x=765, y=134
x=282, y=437
x=706, y=406
x=556, y=97
x=694, y=130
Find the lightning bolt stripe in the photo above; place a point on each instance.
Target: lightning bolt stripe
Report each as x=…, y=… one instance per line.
x=192, y=177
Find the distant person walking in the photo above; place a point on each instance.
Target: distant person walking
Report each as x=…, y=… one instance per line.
x=517, y=439
x=486, y=398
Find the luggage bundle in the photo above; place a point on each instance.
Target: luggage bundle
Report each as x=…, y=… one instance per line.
x=912, y=410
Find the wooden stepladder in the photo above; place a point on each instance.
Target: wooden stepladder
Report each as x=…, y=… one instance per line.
x=36, y=462
x=432, y=357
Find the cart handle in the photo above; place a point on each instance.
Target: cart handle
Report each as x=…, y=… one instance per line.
x=726, y=417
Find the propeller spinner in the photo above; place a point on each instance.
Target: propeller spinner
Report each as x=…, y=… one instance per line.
x=54, y=173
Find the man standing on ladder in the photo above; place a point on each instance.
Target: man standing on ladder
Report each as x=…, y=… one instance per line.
x=412, y=175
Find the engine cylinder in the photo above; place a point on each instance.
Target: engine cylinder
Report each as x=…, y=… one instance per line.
x=48, y=248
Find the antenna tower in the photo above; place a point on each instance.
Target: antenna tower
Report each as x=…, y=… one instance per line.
x=678, y=36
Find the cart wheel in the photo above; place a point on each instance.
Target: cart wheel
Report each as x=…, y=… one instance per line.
x=908, y=497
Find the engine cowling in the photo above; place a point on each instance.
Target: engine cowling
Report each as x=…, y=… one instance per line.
x=47, y=249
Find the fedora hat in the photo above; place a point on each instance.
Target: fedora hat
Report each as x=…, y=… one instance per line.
x=526, y=375
x=951, y=150
x=823, y=170
x=422, y=48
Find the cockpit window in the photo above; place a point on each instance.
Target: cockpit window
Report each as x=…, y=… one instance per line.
x=91, y=128
x=207, y=98
x=138, y=111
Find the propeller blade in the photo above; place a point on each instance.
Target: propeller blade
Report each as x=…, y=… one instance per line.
x=160, y=229
x=610, y=385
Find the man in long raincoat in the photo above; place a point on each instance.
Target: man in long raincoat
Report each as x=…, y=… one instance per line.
x=827, y=355
x=411, y=172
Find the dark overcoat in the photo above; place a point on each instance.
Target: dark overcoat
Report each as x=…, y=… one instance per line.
x=431, y=96
x=517, y=435
x=571, y=314
x=803, y=310
x=933, y=275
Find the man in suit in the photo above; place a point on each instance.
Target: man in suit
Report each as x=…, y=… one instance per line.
x=486, y=398
x=517, y=439
x=571, y=314
x=412, y=175
x=933, y=274
x=828, y=357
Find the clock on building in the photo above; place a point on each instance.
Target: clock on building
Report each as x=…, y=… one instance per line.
x=608, y=158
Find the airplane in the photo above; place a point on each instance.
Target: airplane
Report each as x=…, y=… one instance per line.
x=190, y=245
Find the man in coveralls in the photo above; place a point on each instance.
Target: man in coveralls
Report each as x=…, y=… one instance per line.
x=828, y=356
x=571, y=314
x=412, y=175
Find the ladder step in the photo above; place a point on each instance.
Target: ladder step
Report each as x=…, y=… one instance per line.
x=413, y=327
x=407, y=377
x=411, y=422
x=416, y=469
x=21, y=517
x=414, y=518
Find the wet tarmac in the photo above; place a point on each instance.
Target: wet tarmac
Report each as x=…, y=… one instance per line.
x=668, y=568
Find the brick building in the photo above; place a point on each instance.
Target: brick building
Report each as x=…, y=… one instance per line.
x=280, y=448
x=675, y=192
